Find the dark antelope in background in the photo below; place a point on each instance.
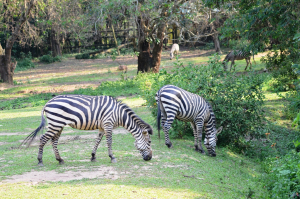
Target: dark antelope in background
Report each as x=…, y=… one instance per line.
x=237, y=55
x=89, y=113
x=174, y=102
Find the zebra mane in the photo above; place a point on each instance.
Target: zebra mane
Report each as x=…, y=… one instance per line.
x=211, y=113
x=140, y=120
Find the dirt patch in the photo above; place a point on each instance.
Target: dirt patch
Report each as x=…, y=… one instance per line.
x=53, y=176
x=2, y=143
x=74, y=67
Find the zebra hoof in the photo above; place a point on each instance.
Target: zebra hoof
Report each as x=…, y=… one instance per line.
x=40, y=164
x=61, y=162
x=93, y=159
x=170, y=145
x=203, y=152
x=114, y=160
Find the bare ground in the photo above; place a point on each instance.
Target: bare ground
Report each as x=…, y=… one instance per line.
x=72, y=67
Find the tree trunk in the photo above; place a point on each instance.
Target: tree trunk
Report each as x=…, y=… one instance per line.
x=115, y=39
x=158, y=47
x=7, y=69
x=2, y=63
x=144, y=57
x=217, y=43
x=55, y=45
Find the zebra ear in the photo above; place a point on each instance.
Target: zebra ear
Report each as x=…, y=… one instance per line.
x=149, y=131
x=219, y=130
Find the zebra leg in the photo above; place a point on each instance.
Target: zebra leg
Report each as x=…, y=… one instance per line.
x=232, y=64
x=167, y=127
x=54, y=145
x=199, y=127
x=108, y=133
x=247, y=61
x=195, y=137
x=98, y=140
x=44, y=139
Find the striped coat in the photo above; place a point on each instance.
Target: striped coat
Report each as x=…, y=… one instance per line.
x=237, y=55
x=174, y=102
x=89, y=113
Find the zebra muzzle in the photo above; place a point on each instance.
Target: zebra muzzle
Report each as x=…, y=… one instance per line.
x=148, y=157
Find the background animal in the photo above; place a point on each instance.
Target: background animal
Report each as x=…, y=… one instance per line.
x=122, y=68
x=90, y=113
x=174, y=49
x=174, y=102
x=237, y=55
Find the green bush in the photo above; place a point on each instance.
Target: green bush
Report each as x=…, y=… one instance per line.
x=83, y=56
x=282, y=177
x=280, y=65
x=49, y=58
x=237, y=100
x=25, y=62
x=293, y=96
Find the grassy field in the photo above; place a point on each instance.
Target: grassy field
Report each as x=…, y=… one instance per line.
x=179, y=172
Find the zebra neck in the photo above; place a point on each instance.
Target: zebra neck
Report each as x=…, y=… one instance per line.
x=130, y=121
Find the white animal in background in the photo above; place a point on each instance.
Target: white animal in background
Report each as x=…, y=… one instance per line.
x=174, y=49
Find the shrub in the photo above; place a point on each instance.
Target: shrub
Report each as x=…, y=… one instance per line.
x=237, y=100
x=25, y=62
x=83, y=56
x=280, y=64
x=293, y=97
x=282, y=177
x=49, y=58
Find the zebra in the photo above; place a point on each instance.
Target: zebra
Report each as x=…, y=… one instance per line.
x=90, y=113
x=174, y=49
x=238, y=55
x=174, y=102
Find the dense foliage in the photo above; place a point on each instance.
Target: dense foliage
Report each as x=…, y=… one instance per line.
x=49, y=58
x=237, y=100
x=272, y=25
x=25, y=62
x=282, y=177
x=293, y=97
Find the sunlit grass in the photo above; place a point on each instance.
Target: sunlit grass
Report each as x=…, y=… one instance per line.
x=179, y=172
x=86, y=190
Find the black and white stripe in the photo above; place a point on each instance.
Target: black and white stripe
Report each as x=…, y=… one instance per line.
x=174, y=102
x=89, y=113
x=237, y=55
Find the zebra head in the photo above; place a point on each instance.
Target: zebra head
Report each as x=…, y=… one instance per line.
x=143, y=144
x=210, y=141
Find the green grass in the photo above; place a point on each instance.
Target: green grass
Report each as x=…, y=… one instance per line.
x=179, y=172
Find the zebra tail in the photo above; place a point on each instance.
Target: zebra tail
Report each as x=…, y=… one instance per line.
x=28, y=140
x=158, y=119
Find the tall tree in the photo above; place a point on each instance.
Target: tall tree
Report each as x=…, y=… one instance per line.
x=12, y=10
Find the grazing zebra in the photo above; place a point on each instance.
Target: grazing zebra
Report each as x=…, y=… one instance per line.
x=174, y=102
x=89, y=113
x=174, y=49
x=238, y=55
